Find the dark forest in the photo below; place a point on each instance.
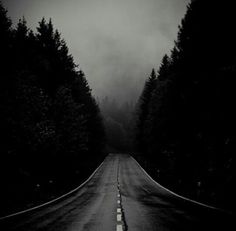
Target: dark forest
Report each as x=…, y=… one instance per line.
x=185, y=125
x=54, y=133
x=51, y=125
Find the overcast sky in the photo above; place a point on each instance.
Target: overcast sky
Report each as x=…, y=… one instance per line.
x=116, y=42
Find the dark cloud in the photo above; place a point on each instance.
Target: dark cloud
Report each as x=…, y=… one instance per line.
x=115, y=42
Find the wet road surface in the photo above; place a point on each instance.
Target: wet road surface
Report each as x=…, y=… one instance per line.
x=120, y=196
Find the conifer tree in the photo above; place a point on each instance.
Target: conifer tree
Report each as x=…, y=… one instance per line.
x=50, y=122
x=190, y=115
x=142, y=110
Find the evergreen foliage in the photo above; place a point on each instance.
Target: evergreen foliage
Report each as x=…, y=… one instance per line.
x=118, y=122
x=189, y=123
x=50, y=125
x=143, y=110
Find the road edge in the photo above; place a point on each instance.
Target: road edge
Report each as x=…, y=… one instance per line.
x=179, y=196
x=56, y=199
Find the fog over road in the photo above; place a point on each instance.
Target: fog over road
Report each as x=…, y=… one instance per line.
x=120, y=196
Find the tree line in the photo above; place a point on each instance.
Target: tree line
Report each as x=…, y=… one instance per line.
x=50, y=125
x=185, y=117
x=118, y=123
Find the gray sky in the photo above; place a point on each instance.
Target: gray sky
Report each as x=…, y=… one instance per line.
x=116, y=42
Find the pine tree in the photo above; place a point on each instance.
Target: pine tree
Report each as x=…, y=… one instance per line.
x=50, y=123
x=190, y=116
x=142, y=110
x=5, y=28
x=164, y=68
x=5, y=47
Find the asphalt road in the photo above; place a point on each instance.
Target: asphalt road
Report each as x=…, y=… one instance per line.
x=120, y=196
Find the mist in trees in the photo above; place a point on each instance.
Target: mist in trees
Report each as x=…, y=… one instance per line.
x=118, y=123
x=185, y=119
x=50, y=124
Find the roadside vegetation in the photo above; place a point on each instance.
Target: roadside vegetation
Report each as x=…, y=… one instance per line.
x=50, y=126
x=185, y=117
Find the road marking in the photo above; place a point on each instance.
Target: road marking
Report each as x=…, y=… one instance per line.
x=118, y=210
x=177, y=195
x=56, y=199
x=118, y=195
x=118, y=202
x=119, y=228
x=118, y=217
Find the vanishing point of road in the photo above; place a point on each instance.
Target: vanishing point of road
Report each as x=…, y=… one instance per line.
x=120, y=196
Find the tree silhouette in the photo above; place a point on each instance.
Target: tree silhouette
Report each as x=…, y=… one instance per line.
x=188, y=119
x=50, y=122
x=143, y=109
